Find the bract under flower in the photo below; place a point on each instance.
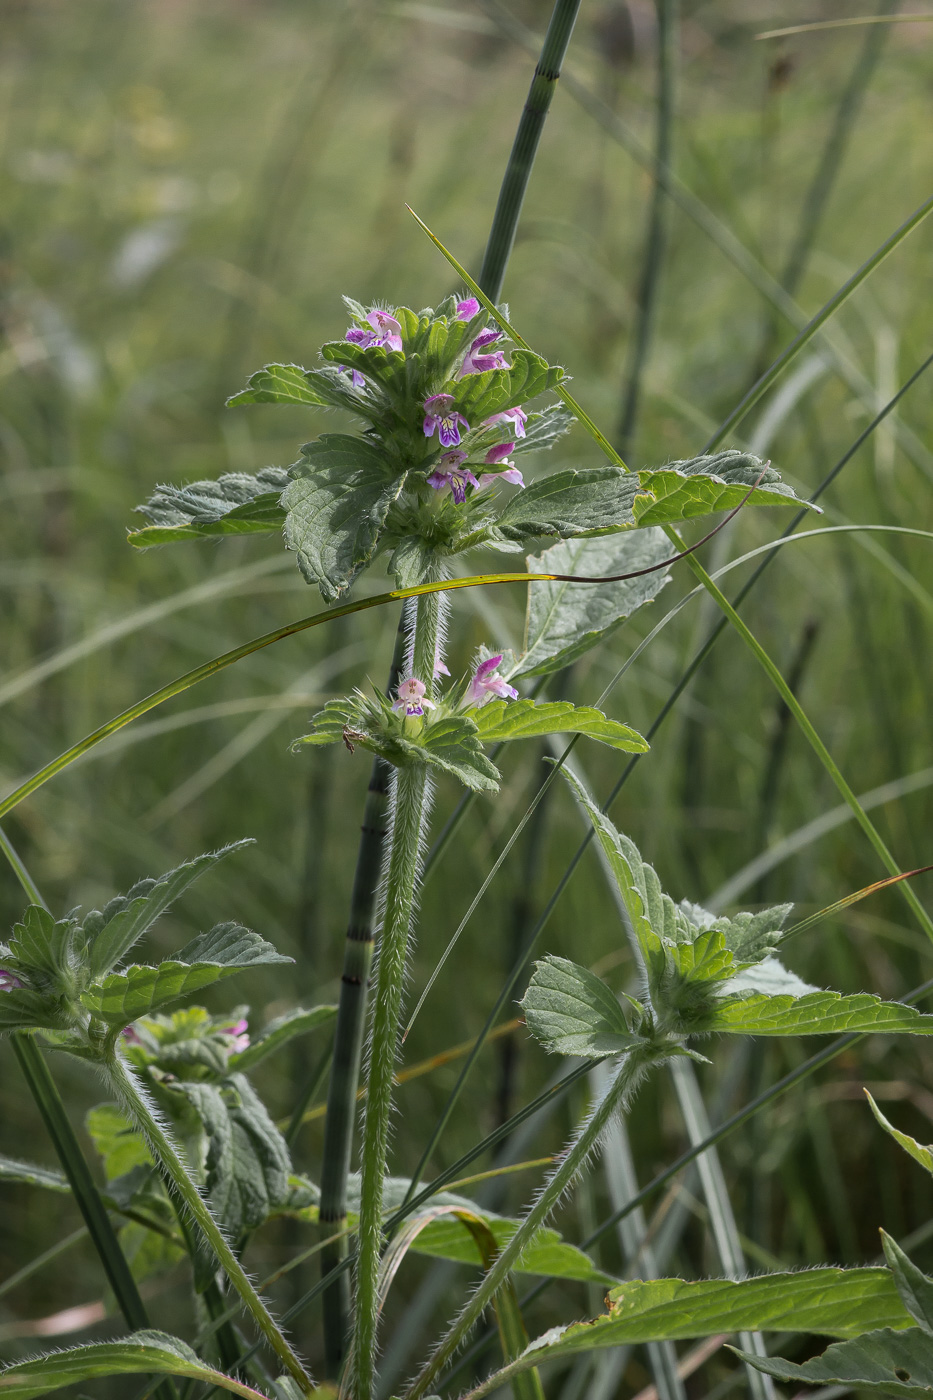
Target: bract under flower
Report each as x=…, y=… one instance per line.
x=412, y=697
x=385, y=331
x=451, y=472
x=485, y=685
x=439, y=413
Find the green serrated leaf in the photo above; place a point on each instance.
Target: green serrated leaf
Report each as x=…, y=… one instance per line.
x=140, y=1353
x=337, y=503
x=706, y=959
x=502, y=720
x=280, y=1031
x=596, y=501
x=565, y=619
x=237, y=503
x=833, y=1302
x=112, y=933
x=921, y=1154
x=123, y=997
x=44, y=947
x=915, y=1288
x=280, y=384
x=33, y=1175
x=891, y=1363
x=452, y=746
x=571, y=1011
x=247, y=1161
x=816, y=1013
x=703, y=485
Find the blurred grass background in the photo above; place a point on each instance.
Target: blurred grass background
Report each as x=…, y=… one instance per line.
x=185, y=190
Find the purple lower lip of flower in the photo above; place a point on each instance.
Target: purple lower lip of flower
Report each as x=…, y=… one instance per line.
x=451, y=472
x=439, y=413
x=467, y=309
x=8, y=982
x=411, y=697
x=357, y=336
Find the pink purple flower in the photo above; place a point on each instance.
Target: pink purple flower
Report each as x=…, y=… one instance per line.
x=485, y=684
x=385, y=331
x=238, y=1036
x=439, y=413
x=451, y=472
x=475, y=362
x=129, y=1035
x=467, y=309
x=8, y=982
x=511, y=474
x=412, y=697
x=515, y=417
x=497, y=456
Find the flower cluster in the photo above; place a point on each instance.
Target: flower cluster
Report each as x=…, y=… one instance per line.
x=440, y=412
x=484, y=685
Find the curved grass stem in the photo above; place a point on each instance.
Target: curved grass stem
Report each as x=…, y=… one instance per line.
x=571, y=1162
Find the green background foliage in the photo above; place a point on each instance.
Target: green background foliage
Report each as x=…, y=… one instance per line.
x=185, y=190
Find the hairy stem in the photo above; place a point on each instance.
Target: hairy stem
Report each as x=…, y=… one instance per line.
x=348, y=1044
x=132, y=1098
x=570, y=1164
x=408, y=810
x=525, y=146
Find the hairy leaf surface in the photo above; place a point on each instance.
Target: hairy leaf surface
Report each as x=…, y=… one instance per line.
x=140, y=1353
x=833, y=1302
x=816, y=1013
x=571, y=1011
x=337, y=503
x=682, y=490
x=123, y=997
x=237, y=503
x=502, y=720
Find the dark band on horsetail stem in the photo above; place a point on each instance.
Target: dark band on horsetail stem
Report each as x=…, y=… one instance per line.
x=348, y=1041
